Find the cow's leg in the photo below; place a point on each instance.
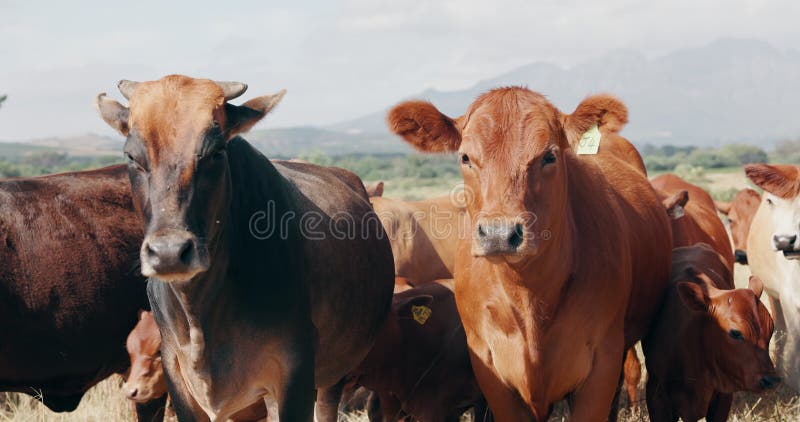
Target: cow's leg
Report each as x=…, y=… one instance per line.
x=328, y=399
x=373, y=407
x=296, y=397
x=184, y=405
x=481, y=412
x=658, y=403
x=151, y=411
x=592, y=400
x=633, y=375
x=505, y=404
x=719, y=408
x=780, y=331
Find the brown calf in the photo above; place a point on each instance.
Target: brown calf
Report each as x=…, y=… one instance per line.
x=709, y=340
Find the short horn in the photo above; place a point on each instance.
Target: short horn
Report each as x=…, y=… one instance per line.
x=232, y=90
x=127, y=87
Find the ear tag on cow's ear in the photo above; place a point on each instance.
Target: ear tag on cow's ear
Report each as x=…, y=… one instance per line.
x=677, y=212
x=421, y=313
x=590, y=141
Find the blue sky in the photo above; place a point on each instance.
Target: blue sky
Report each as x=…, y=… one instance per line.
x=338, y=59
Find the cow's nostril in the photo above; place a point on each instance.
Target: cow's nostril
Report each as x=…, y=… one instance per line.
x=185, y=253
x=132, y=394
x=151, y=253
x=516, y=237
x=481, y=232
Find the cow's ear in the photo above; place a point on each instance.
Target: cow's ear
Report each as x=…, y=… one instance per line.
x=142, y=313
x=609, y=113
x=694, y=296
x=425, y=127
x=780, y=180
x=756, y=285
x=374, y=189
x=723, y=207
x=675, y=204
x=242, y=118
x=113, y=113
x=405, y=307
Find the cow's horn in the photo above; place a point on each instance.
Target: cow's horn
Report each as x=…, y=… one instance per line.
x=126, y=87
x=232, y=90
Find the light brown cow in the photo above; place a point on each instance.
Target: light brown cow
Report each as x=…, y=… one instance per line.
x=424, y=235
x=709, y=340
x=561, y=272
x=146, y=377
x=740, y=212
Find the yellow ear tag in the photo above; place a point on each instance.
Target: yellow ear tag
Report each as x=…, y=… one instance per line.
x=421, y=313
x=590, y=141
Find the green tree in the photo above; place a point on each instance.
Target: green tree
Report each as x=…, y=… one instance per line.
x=744, y=154
x=2, y=99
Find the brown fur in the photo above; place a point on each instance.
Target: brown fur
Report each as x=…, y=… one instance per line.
x=145, y=379
x=780, y=180
x=740, y=212
x=700, y=223
x=517, y=308
x=694, y=364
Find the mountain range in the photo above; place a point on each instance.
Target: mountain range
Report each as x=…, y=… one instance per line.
x=732, y=90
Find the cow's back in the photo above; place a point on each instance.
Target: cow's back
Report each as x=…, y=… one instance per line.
x=71, y=289
x=349, y=270
x=423, y=234
x=649, y=240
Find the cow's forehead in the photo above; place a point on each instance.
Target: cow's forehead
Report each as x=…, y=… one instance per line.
x=175, y=109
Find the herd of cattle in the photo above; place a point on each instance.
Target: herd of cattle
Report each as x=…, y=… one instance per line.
x=533, y=289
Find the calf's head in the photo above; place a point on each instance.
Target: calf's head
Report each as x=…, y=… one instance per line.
x=739, y=213
x=514, y=148
x=781, y=184
x=146, y=377
x=177, y=131
x=736, y=330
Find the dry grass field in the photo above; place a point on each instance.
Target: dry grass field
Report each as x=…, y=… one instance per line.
x=105, y=402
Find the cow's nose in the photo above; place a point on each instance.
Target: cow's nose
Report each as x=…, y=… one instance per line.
x=741, y=256
x=769, y=382
x=173, y=252
x=784, y=242
x=132, y=393
x=499, y=238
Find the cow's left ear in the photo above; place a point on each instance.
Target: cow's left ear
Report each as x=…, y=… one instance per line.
x=675, y=204
x=780, y=180
x=694, y=296
x=113, y=113
x=242, y=118
x=756, y=285
x=609, y=113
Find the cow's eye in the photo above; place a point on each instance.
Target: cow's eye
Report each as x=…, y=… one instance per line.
x=132, y=161
x=769, y=201
x=218, y=154
x=736, y=334
x=548, y=158
x=465, y=159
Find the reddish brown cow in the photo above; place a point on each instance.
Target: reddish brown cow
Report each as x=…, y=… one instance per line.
x=146, y=377
x=561, y=273
x=740, y=213
x=700, y=222
x=710, y=340
x=420, y=365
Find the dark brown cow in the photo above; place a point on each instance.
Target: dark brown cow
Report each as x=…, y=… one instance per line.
x=700, y=222
x=709, y=341
x=420, y=365
x=740, y=213
x=561, y=273
x=69, y=287
x=254, y=266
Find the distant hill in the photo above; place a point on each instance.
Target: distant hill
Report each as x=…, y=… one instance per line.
x=292, y=142
x=88, y=144
x=731, y=90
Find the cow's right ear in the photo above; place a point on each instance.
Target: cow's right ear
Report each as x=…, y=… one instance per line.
x=374, y=189
x=780, y=180
x=113, y=113
x=723, y=207
x=424, y=127
x=693, y=296
x=675, y=204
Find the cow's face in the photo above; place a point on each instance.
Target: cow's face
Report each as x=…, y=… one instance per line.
x=781, y=184
x=740, y=213
x=514, y=149
x=737, y=331
x=177, y=131
x=146, y=376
